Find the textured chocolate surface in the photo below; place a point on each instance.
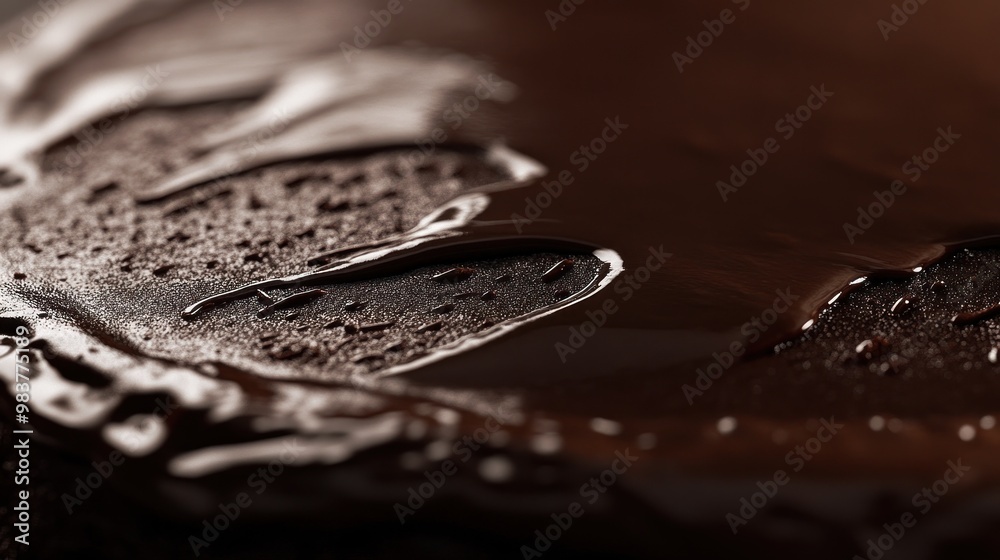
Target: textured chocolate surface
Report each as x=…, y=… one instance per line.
x=645, y=304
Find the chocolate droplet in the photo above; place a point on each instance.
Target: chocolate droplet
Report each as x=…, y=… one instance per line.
x=557, y=271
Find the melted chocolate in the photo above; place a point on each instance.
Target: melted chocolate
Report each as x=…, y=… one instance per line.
x=753, y=182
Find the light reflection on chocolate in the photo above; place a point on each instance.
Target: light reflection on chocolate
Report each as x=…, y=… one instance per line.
x=638, y=150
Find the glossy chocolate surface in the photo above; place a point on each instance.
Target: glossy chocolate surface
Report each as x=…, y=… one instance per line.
x=630, y=210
